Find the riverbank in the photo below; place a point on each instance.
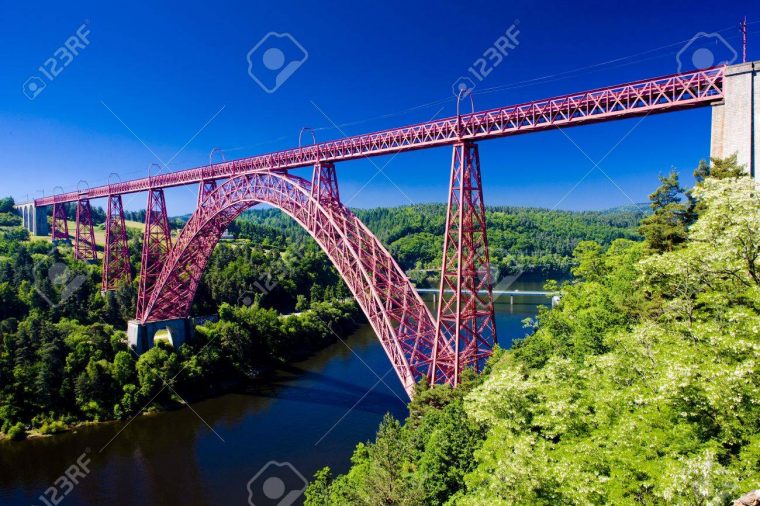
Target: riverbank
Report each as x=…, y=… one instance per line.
x=309, y=413
x=245, y=344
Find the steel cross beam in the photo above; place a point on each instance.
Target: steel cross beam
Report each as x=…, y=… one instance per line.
x=661, y=94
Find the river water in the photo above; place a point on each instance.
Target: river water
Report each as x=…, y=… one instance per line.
x=310, y=414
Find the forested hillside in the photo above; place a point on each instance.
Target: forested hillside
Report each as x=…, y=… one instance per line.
x=521, y=239
x=641, y=387
x=63, y=352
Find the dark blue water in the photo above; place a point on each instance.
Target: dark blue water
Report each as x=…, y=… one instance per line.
x=310, y=415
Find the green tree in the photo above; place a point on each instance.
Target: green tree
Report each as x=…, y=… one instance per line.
x=718, y=168
x=666, y=227
x=727, y=168
x=389, y=480
x=6, y=205
x=590, y=266
x=155, y=369
x=123, y=369
x=95, y=391
x=318, y=492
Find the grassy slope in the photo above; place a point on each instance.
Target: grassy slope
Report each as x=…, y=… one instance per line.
x=100, y=233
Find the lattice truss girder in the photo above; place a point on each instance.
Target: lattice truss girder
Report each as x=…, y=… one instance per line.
x=396, y=312
x=632, y=99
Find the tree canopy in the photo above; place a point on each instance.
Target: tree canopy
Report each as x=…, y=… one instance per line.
x=640, y=387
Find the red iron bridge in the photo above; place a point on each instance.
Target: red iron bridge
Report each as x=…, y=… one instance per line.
x=420, y=345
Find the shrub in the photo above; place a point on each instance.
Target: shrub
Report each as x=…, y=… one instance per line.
x=17, y=432
x=52, y=427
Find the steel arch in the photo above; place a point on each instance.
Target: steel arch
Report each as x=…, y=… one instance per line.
x=399, y=317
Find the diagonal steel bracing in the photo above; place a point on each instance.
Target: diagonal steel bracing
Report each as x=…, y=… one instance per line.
x=84, y=241
x=116, y=265
x=60, y=228
x=465, y=300
x=157, y=244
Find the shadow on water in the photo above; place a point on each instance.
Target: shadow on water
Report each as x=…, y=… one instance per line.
x=342, y=394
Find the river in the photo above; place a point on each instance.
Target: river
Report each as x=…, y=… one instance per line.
x=310, y=414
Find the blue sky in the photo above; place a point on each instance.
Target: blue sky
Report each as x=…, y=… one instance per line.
x=154, y=75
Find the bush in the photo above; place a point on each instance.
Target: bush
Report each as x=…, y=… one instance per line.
x=17, y=432
x=52, y=427
x=16, y=234
x=10, y=220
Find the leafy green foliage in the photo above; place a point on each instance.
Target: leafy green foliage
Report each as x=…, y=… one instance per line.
x=64, y=358
x=675, y=209
x=10, y=220
x=17, y=432
x=6, y=205
x=239, y=272
x=520, y=238
x=9, y=217
x=666, y=227
x=640, y=387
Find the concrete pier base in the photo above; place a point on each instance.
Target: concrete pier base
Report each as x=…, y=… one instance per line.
x=143, y=336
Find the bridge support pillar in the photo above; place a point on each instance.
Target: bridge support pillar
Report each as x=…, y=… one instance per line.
x=116, y=265
x=34, y=219
x=324, y=182
x=465, y=299
x=324, y=187
x=60, y=223
x=157, y=243
x=736, y=119
x=143, y=336
x=84, y=241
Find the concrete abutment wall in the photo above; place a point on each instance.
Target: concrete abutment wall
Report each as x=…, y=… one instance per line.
x=735, y=126
x=141, y=336
x=34, y=218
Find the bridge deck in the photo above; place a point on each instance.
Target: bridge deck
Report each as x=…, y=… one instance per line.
x=679, y=91
x=498, y=292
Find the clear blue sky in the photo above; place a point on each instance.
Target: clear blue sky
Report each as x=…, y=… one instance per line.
x=165, y=71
